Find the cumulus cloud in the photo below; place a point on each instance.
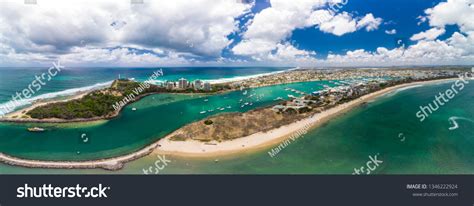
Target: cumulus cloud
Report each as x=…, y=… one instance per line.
x=339, y=25
x=274, y=25
x=391, y=32
x=457, y=49
x=287, y=52
x=344, y=23
x=452, y=12
x=199, y=27
x=194, y=32
x=424, y=52
x=369, y=22
x=431, y=34
x=55, y=27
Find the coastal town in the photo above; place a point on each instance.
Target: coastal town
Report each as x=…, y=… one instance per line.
x=104, y=103
x=227, y=131
x=108, y=102
x=184, y=84
x=311, y=74
x=349, y=85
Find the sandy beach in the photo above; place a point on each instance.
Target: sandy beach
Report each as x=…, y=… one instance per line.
x=19, y=113
x=254, y=142
x=264, y=140
x=115, y=163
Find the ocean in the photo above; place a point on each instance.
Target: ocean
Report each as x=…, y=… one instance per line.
x=72, y=80
x=386, y=127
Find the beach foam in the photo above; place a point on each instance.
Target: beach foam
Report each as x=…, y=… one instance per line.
x=52, y=95
x=402, y=89
x=455, y=123
x=240, y=78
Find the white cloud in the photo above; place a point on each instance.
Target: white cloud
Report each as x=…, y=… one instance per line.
x=344, y=23
x=452, y=12
x=339, y=25
x=391, y=32
x=431, y=34
x=422, y=53
x=464, y=42
x=272, y=27
x=181, y=32
x=458, y=49
x=369, y=22
x=53, y=26
x=421, y=20
x=287, y=52
x=199, y=27
x=274, y=24
x=56, y=28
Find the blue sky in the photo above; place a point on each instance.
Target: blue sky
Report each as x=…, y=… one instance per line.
x=397, y=14
x=238, y=33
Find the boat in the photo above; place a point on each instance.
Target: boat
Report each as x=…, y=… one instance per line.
x=228, y=107
x=221, y=109
x=206, y=100
x=203, y=112
x=36, y=129
x=84, y=138
x=134, y=109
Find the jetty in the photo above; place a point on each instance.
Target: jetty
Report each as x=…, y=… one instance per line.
x=112, y=164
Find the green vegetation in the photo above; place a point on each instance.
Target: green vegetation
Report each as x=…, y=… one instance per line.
x=235, y=125
x=100, y=103
x=92, y=105
x=96, y=104
x=208, y=122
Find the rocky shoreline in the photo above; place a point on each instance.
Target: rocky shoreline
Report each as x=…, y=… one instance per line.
x=195, y=148
x=111, y=164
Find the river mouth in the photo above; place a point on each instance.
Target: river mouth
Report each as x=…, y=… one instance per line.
x=345, y=142
x=155, y=117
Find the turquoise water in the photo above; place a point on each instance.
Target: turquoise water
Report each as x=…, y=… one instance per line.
x=156, y=116
x=72, y=80
x=346, y=142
